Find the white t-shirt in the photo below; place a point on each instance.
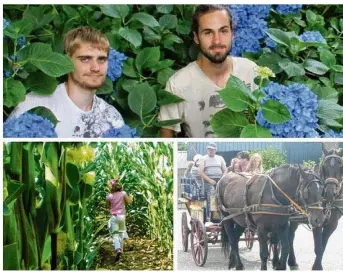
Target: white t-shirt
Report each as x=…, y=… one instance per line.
x=74, y=122
x=201, y=97
x=213, y=166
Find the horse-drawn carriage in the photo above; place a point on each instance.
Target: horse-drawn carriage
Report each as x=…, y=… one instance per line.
x=201, y=232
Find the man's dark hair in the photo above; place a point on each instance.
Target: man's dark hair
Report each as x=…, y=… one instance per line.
x=203, y=9
x=243, y=155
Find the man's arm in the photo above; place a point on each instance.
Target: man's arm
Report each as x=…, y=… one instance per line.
x=167, y=132
x=190, y=165
x=203, y=175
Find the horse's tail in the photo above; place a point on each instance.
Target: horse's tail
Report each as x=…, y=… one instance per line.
x=225, y=242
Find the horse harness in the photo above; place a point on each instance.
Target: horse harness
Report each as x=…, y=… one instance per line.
x=275, y=209
x=337, y=203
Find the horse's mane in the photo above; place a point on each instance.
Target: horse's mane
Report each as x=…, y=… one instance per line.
x=284, y=166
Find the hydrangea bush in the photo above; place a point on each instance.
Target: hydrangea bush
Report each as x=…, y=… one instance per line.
x=29, y=125
x=303, y=51
x=302, y=105
x=122, y=132
x=301, y=44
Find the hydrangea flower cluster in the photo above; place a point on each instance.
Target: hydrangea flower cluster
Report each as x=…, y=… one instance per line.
x=332, y=134
x=124, y=131
x=312, y=36
x=286, y=9
x=302, y=105
x=115, y=64
x=29, y=125
x=249, y=25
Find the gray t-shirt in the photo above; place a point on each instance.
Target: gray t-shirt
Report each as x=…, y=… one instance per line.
x=213, y=166
x=74, y=122
x=201, y=97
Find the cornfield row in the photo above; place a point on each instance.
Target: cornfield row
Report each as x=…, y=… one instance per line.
x=54, y=199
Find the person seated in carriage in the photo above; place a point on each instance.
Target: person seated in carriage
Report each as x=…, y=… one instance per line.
x=195, y=168
x=244, y=159
x=234, y=167
x=256, y=164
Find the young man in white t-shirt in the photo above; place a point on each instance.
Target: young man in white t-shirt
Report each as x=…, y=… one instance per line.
x=79, y=111
x=198, y=82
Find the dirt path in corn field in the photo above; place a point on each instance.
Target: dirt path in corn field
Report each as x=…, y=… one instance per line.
x=138, y=254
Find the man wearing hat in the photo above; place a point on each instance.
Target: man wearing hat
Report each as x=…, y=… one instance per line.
x=211, y=169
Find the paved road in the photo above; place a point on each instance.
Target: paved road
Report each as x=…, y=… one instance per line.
x=303, y=244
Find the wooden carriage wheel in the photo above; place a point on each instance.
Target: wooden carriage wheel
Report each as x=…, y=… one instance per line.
x=199, y=244
x=184, y=231
x=249, y=239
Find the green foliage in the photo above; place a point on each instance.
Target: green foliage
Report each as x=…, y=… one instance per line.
x=318, y=65
x=272, y=158
x=309, y=164
x=45, y=199
x=181, y=146
x=151, y=36
x=145, y=170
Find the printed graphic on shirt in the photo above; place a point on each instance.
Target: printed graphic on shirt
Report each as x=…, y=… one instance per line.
x=206, y=123
x=201, y=105
x=97, y=122
x=216, y=102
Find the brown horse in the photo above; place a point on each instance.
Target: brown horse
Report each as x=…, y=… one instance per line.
x=267, y=202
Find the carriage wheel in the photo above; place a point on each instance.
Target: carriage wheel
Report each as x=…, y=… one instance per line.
x=184, y=231
x=249, y=239
x=199, y=242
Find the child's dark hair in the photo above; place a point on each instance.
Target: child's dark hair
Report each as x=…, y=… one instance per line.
x=115, y=185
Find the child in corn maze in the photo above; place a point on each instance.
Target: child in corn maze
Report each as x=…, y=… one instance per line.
x=116, y=201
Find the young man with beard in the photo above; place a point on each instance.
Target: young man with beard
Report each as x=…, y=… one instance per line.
x=79, y=111
x=199, y=82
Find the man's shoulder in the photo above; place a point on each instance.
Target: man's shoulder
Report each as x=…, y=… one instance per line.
x=33, y=100
x=104, y=105
x=46, y=97
x=109, y=112
x=184, y=74
x=240, y=61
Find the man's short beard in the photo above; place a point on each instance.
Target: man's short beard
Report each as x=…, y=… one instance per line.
x=216, y=59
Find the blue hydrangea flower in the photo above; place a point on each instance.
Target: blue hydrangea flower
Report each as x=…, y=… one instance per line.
x=29, y=125
x=124, y=132
x=5, y=23
x=287, y=9
x=332, y=134
x=115, y=64
x=302, y=105
x=312, y=36
x=249, y=27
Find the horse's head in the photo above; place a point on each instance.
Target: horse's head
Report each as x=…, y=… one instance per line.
x=310, y=196
x=331, y=171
